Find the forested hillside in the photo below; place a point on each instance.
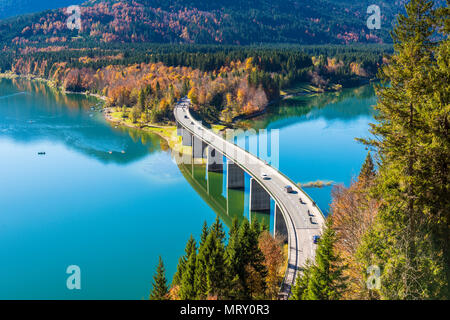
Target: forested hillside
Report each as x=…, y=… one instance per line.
x=224, y=82
x=125, y=38
x=197, y=21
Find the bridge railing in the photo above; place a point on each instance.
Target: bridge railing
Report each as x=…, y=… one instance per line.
x=291, y=233
x=283, y=294
x=281, y=173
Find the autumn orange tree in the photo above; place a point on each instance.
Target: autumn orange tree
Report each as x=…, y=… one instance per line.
x=274, y=261
x=354, y=210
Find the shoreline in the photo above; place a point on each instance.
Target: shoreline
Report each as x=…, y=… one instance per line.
x=292, y=95
x=164, y=130
x=50, y=83
x=157, y=129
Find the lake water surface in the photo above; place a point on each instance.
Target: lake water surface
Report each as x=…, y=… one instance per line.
x=111, y=200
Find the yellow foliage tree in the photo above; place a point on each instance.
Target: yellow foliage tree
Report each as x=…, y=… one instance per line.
x=193, y=96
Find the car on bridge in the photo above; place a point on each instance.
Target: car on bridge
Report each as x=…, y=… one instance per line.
x=316, y=239
x=265, y=176
x=288, y=189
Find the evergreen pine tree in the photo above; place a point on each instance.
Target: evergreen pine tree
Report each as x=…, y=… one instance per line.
x=436, y=173
x=325, y=277
x=300, y=290
x=217, y=228
x=210, y=279
x=160, y=289
x=179, y=273
x=191, y=246
x=250, y=267
x=185, y=88
x=200, y=282
x=257, y=266
x=234, y=230
x=187, y=289
x=148, y=90
x=412, y=142
x=234, y=261
x=158, y=93
x=214, y=252
x=243, y=256
x=367, y=170
x=204, y=235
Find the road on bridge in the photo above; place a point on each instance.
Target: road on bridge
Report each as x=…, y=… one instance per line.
x=304, y=220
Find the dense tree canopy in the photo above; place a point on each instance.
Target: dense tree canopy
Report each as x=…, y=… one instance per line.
x=247, y=265
x=240, y=22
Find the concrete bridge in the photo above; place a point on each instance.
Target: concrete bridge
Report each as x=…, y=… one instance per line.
x=297, y=219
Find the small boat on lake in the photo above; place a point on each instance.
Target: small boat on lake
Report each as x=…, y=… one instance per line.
x=41, y=153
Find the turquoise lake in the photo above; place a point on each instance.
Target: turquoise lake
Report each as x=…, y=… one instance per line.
x=111, y=200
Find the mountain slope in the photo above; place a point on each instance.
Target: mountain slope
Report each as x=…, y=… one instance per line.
x=213, y=21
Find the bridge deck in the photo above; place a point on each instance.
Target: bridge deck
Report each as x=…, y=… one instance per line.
x=300, y=225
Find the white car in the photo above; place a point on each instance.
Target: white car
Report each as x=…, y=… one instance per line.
x=265, y=176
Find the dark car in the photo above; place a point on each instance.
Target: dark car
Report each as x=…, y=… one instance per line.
x=316, y=239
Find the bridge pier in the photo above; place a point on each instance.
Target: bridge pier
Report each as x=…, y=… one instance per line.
x=179, y=129
x=198, y=149
x=279, y=226
x=259, y=198
x=214, y=160
x=235, y=176
x=187, y=138
x=235, y=180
